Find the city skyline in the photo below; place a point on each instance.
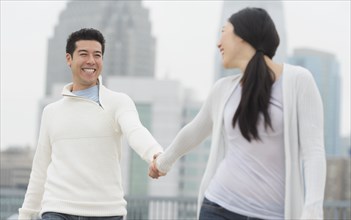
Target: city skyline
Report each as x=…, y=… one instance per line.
x=181, y=51
x=325, y=71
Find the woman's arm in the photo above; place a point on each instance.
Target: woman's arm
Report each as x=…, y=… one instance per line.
x=311, y=139
x=188, y=137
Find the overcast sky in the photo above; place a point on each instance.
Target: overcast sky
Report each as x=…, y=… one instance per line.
x=186, y=33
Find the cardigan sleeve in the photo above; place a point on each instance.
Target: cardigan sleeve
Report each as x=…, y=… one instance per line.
x=311, y=140
x=190, y=136
x=42, y=158
x=138, y=137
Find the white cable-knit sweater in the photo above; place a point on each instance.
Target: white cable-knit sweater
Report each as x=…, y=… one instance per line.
x=76, y=169
x=305, y=164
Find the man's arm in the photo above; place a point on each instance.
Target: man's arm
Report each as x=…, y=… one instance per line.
x=138, y=137
x=32, y=202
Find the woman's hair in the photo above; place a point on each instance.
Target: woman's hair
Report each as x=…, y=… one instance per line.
x=255, y=26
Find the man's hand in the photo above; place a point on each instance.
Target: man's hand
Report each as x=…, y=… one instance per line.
x=153, y=171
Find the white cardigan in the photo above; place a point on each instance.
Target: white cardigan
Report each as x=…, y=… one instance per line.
x=305, y=163
x=76, y=168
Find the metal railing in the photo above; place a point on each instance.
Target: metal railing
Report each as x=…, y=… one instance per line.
x=162, y=208
x=337, y=209
x=170, y=208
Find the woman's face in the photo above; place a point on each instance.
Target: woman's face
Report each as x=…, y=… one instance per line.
x=229, y=46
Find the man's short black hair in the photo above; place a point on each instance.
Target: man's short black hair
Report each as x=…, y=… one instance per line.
x=84, y=34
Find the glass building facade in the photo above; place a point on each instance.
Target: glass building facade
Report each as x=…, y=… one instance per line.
x=325, y=70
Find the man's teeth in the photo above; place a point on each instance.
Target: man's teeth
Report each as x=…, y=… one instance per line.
x=89, y=70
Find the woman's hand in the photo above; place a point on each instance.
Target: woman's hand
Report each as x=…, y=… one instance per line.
x=153, y=171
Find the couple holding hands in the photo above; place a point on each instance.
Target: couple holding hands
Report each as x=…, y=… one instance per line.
x=267, y=158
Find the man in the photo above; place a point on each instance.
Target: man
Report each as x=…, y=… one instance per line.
x=76, y=170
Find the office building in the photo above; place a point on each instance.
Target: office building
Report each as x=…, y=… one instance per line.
x=325, y=70
x=16, y=164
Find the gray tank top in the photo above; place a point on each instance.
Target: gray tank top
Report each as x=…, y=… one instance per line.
x=250, y=180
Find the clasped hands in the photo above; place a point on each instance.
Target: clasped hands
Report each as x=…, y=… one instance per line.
x=153, y=171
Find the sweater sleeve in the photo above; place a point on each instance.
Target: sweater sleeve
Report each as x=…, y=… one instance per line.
x=311, y=139
x=190, y=136
x=138, y=137
x=32, y=201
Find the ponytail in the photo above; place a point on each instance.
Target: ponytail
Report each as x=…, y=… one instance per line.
x=255, y=26
x=256, y=84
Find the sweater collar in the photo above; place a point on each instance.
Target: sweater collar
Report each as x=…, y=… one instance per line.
x=67, y=89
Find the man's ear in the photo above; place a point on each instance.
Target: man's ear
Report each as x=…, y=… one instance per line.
x=69, y=59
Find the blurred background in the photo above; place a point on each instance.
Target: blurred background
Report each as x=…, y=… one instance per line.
x=163, y=54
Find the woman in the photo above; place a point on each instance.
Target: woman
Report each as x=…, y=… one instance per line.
x=267, y=158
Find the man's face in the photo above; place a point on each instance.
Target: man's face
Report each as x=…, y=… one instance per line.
x=86, y=64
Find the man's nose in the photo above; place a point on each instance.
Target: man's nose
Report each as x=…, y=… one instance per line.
x=91, y=59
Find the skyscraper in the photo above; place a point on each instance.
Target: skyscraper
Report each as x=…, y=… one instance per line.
x=275, y=10
x=130, y=47
x=325, y=70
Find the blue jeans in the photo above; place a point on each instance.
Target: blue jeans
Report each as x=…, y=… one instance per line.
x=61, y=216
x=212, y=211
